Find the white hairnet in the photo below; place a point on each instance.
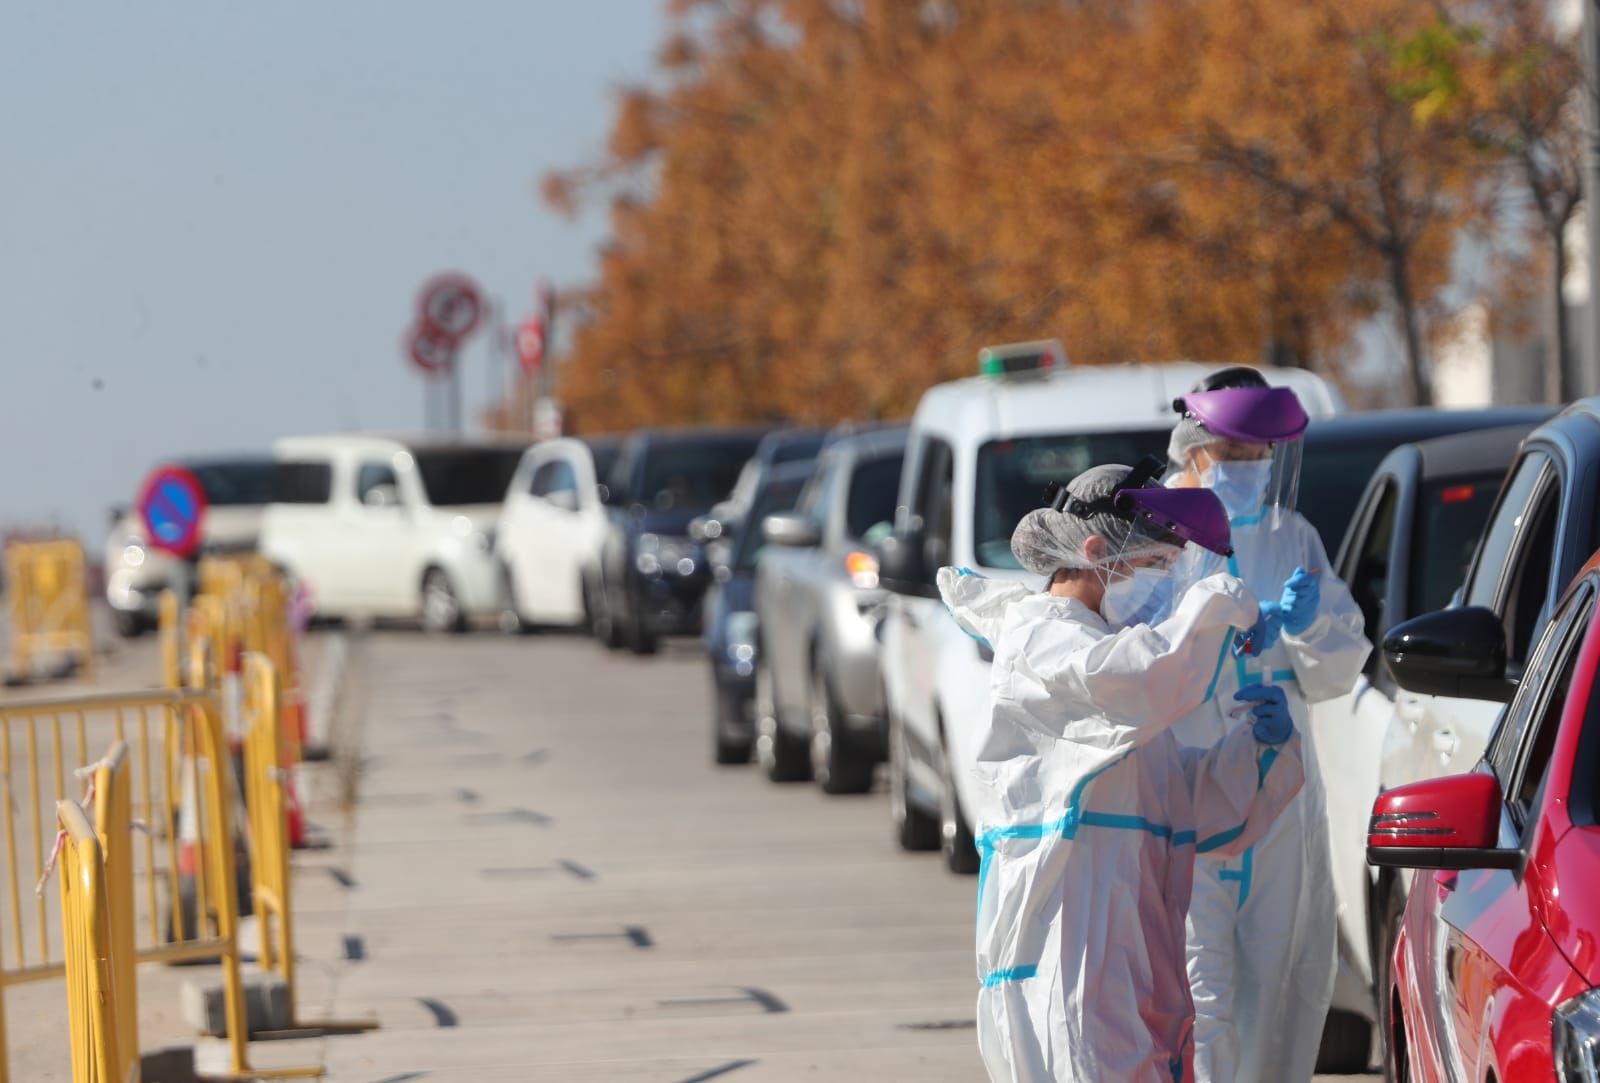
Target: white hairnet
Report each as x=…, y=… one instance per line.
x=1048, y=540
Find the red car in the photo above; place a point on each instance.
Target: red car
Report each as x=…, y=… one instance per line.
x=1498, y=958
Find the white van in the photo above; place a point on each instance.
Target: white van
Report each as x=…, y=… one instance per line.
x=381, y=526
x=981, y=452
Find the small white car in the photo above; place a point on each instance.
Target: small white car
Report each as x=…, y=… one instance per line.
x=390, y=527
x=551, y=527
x=980, y=454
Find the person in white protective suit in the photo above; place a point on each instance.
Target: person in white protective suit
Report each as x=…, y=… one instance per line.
x=1091, y=813
x=1262, y=932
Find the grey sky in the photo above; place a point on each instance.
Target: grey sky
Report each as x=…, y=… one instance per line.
x=221, y=212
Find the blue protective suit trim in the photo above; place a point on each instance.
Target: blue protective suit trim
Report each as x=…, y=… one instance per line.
x=1244, y=874
x=1177, y=1070
x=1216, y=675
x=1015, y=973
x=1247, y=520
x=1279, y=676
x=1219, y=840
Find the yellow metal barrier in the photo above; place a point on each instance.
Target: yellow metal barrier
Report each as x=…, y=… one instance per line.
x=49, y=605
x=176, y=758
x=97, y=974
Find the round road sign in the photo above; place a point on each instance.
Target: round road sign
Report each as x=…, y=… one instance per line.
x=173, y=506
x=451, y=306
x=430, y=350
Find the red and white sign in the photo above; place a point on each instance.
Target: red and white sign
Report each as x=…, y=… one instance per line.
x=430, y=351
x=451, y=305
x=533, y=335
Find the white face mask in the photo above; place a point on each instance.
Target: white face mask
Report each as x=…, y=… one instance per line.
x=1239, y=485
x=1137, y=598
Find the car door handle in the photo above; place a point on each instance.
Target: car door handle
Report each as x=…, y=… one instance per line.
x=1409, y=709
x=1445, y=743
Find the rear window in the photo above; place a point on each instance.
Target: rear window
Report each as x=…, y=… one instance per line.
x=873, y=489
x=1332, y=480
x=236, y=484
x=797, y=449
x=301, y=483
x=454, y=477
x=1450, y=518
x=692, y=475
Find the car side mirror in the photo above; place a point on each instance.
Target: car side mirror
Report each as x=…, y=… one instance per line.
x=902, y=565
x=795, y=531
x=1440, y=823
x=565, y=499
x=1454, y=652
x=382, y=496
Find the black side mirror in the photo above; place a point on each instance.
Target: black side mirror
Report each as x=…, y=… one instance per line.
x=902, y=564
x=1454, y=652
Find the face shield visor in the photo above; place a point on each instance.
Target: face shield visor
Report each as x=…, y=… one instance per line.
x=1244, y=444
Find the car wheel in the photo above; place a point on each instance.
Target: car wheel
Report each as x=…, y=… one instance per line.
x=1387, y=910
x=783, y=757
x=838, y=763
x=441, y=609
x=914, y=829
x=728, y=750
x=642, y=635
x=1346, y=1044
x=131, y=624
x=511, y=621
x=955, y=837
x=602, y=625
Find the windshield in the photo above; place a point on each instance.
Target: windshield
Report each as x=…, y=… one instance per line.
x=873, y=490
x=681, y=475
x=1337, y=476
x=237, y=484
x=453, y=477
x=1012, y=475
x=605, y=457
x=773, y=499
x=1451, y=516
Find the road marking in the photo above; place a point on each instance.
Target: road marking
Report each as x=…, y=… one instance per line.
x=713, y=1073
x=355, y=949
x=638, y=934
x=769, y=1003
x=442, y=1015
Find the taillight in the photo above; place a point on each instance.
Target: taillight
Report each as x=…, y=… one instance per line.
x=863, y=569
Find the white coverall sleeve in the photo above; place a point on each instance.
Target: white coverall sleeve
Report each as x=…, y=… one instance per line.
x=1327, y=657
x=1239, y=787
x=1141, y=679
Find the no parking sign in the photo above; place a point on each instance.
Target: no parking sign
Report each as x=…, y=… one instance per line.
x=173, y=506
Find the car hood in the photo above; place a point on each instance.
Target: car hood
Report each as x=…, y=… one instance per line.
x=1573, y=918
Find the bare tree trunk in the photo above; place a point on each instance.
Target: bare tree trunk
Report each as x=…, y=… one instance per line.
x=1420, y=381
x=1559, y=373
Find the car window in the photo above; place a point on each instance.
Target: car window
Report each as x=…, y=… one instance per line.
x=235, y=484
x=818, y=492
x=772, y=498
x=1369, y=579
x=605, y=458
x=302, y=483
x=1450, y=518
x=1528, y=582
x=1332, y=479
x=1540, y=741
x=555, y=476
x=1535, y=690
x=693, y=475
x=935, y=501
x=873, y=488
x=1504, y=526
x=456, y=477
x=371, y=476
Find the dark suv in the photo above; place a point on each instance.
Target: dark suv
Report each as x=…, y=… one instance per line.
x=653, y=575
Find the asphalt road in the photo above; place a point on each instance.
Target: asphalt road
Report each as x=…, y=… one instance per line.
x=546, y=878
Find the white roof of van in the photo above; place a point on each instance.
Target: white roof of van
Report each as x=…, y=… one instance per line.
x=378, y=443
x=1089, y=398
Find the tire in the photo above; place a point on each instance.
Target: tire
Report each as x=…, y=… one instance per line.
x=838, y=763
x=725, y=750
x=511, y=621
x=914, y=829
x=441, y=608
x=782, y=756
x=131, y=624
x=960, y=849
x=643, y=639
x=1346, y=1044
x=604, y=627
x=1387, y=909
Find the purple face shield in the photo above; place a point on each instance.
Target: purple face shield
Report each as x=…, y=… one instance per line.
x=1251, y=415
x=1178, y=516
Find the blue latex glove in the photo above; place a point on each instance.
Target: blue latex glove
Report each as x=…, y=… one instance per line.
x=1263, y=634
x=1273, y=723
x=1302, y=593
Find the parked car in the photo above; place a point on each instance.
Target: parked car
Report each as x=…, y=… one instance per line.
x=776, y=449
x=385, y=526
x=1497, y=963
x=979, y=455
x=1405, y=552
x=652, y=575
x=236, y=488
x=732, y=632
x=551, y=526
x=819, y=683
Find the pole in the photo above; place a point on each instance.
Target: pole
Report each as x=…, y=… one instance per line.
x=1588, y=346
x=454, y=376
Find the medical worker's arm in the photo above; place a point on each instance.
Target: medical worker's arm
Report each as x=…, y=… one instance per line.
x=1327, y=657
x=1137, y=681
x=1239, y=786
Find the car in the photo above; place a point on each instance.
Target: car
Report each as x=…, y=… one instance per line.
x=389, y=526
x=236, y=489
x=819, y=683
x=1410, y=534
x=980, y=453
x=652, y=576
x=551, y=524
x=732, y=632
x=1495, y=969
x=777, y=448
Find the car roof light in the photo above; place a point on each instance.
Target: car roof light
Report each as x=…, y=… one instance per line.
x=1022, y=358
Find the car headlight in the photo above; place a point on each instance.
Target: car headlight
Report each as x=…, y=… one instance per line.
x=1577, y=1039
x=133, y=551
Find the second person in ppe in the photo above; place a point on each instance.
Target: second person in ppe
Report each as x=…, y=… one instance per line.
x=1262, y=926
x=1091, y=812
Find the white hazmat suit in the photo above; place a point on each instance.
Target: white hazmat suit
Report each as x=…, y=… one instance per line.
x=1262, y=923
x=1090, y=818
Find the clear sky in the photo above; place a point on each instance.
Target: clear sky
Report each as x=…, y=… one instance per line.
x=214, y=216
